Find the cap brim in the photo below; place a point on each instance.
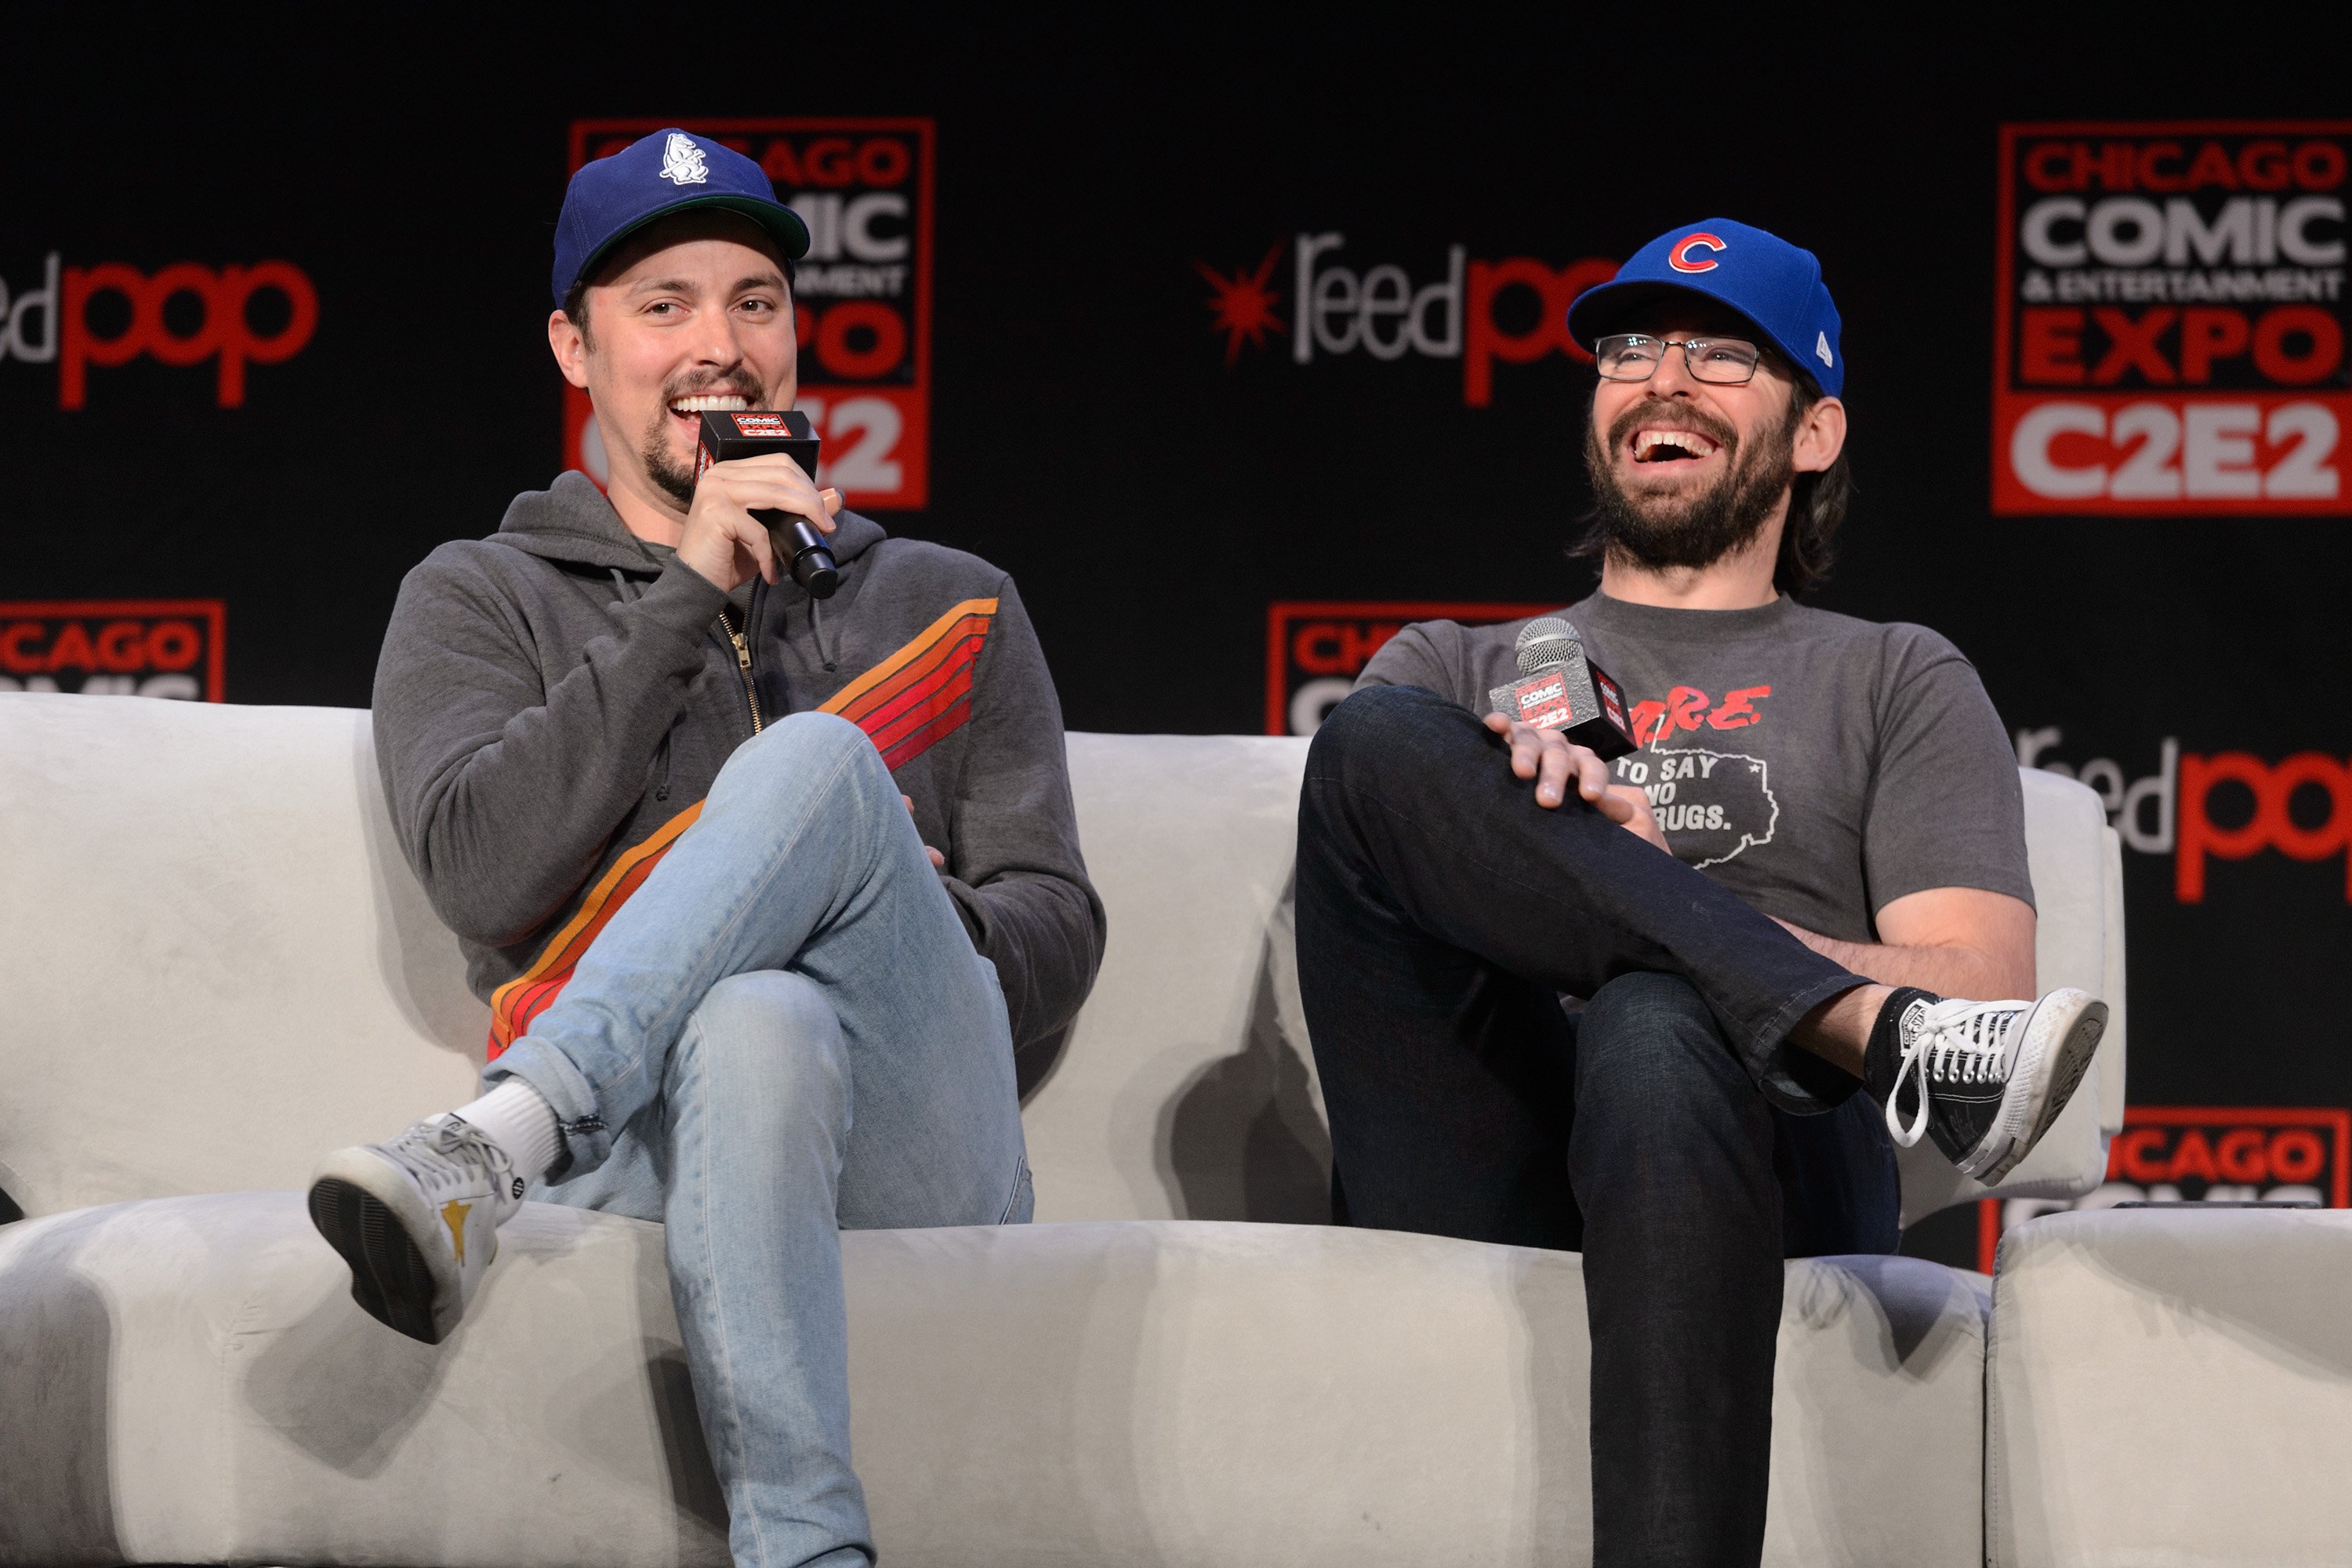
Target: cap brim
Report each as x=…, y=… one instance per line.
x=1602, y=309
x=782, y=224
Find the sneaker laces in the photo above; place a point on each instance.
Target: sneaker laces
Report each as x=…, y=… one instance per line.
x=448, y=1149
x=1953, y=1044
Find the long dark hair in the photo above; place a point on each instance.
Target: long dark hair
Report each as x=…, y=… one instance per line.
x=1817, y=504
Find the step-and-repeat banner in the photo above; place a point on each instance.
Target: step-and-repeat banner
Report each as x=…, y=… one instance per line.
x=1234, y=404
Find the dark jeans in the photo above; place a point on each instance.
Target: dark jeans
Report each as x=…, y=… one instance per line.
x=1441, y=913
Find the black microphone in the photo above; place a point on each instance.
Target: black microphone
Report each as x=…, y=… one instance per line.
x=1559, y=688
x=728, y=435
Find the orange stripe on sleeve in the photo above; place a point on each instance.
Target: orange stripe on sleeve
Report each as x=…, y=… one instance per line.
x=840, y=701
x=515, y=1003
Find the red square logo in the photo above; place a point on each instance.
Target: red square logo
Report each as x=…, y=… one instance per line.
x=116, y=648
x=2171, y=322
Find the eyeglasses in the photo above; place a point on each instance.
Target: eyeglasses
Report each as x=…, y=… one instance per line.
x=1631, y=356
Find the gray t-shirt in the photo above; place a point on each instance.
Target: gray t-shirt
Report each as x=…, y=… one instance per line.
x=1817, y=765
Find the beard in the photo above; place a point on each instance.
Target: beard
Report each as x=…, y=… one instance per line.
x=1661, y=532
x=675, y=478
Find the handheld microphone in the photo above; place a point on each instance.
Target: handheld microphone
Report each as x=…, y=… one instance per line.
x=726, y=437
x=1559, y=688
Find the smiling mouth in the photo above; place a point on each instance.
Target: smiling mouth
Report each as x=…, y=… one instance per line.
x=708, y=403
x=1661, y=444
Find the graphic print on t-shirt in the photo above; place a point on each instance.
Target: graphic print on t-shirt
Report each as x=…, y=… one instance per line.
x=1711, y=804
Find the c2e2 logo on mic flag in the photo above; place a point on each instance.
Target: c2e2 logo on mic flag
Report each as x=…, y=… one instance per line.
x=2171, y=320
x=2196, y=1154
x=1316, y=649
x=116, y=648
x=863, y=297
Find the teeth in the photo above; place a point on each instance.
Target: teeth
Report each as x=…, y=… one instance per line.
x=711, y=402
x=1647, y=441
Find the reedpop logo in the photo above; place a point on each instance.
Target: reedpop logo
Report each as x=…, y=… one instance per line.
x=1514, y=310
x=2225, y=806
x=84, y=317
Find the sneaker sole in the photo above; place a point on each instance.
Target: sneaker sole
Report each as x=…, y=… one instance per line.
x=2068, y=1061
x=391, y=1278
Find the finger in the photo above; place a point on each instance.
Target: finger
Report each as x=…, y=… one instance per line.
x=1615, y=807
x=910, y=803
x=1552, y=776
x=1591, y=774
x=832, y=499
x=939, y=861
x=752, y=540
x=780, y=491
x=1526, y=750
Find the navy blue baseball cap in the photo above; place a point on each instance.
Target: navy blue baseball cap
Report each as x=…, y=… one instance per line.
x=668, y=172
x=1774, y=284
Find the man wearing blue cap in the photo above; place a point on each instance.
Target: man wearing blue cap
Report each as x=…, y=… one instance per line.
x=1765, y=907
x=763, y=889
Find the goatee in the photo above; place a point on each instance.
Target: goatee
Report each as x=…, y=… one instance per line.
x=1665, y=532
x=675, y=478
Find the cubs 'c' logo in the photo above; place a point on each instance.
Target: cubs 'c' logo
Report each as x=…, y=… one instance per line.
x=1681, y=259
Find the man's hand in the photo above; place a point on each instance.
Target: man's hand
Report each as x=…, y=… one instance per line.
x=1556, y=762
x=723, y=541
x=939, y=861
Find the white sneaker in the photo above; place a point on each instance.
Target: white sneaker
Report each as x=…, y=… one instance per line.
x=417, y=1219
x=1991, y=1077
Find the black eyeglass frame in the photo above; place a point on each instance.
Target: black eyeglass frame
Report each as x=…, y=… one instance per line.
x=1755, y=357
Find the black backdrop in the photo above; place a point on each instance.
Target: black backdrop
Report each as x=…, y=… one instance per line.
x=1089, y=434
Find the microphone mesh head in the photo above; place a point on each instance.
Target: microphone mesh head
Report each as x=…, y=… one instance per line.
x=1545, y=640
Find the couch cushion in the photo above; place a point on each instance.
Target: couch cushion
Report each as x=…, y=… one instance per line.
x=2172, y=1386
x=216, y=964
x=204, y=922
x=189, y=1381
x=1184, y=1090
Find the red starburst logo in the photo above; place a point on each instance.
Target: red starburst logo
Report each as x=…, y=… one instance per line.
x=1243, y=304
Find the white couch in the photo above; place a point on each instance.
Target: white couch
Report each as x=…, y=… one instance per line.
x=213, y=965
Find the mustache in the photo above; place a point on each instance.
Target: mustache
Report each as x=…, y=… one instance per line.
x=739, y=381
x=1657, y=415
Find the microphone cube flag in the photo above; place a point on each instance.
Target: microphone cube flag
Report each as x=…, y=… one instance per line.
x=725, y=436
x=1575, y=697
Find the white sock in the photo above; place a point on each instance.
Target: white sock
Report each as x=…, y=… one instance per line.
x=517, y=1119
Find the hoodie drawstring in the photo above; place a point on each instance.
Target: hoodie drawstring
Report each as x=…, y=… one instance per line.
x=816, y=629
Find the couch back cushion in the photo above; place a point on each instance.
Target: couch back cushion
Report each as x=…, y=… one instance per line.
x=214, y=966
x=213, y=963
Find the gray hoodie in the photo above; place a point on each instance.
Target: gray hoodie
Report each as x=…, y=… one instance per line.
x=551, y=707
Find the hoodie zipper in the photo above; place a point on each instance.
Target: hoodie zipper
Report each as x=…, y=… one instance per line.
x=742, y=666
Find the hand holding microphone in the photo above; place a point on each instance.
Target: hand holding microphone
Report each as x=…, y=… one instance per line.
x=1564, y=717
x=756, y=505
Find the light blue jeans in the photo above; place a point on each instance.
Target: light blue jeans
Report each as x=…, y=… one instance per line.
x=785, y=1033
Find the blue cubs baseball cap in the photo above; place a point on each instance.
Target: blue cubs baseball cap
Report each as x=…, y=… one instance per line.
x=668, y=172
x=1774, y=284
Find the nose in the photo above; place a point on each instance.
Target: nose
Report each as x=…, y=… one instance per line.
x=714, y=341
x=1672, y=376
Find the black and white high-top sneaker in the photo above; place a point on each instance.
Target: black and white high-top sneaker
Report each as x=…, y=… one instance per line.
x=417, y=1219
x=1985, y=1079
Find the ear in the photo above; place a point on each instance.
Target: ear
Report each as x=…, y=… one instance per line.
x=570, y=347
x=1820, y=437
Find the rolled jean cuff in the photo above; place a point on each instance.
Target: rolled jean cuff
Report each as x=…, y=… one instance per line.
x=1790, y=1077
x=587, y=1142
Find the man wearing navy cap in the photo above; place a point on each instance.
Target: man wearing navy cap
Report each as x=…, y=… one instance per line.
x=1765, y=907
x=763, y=890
